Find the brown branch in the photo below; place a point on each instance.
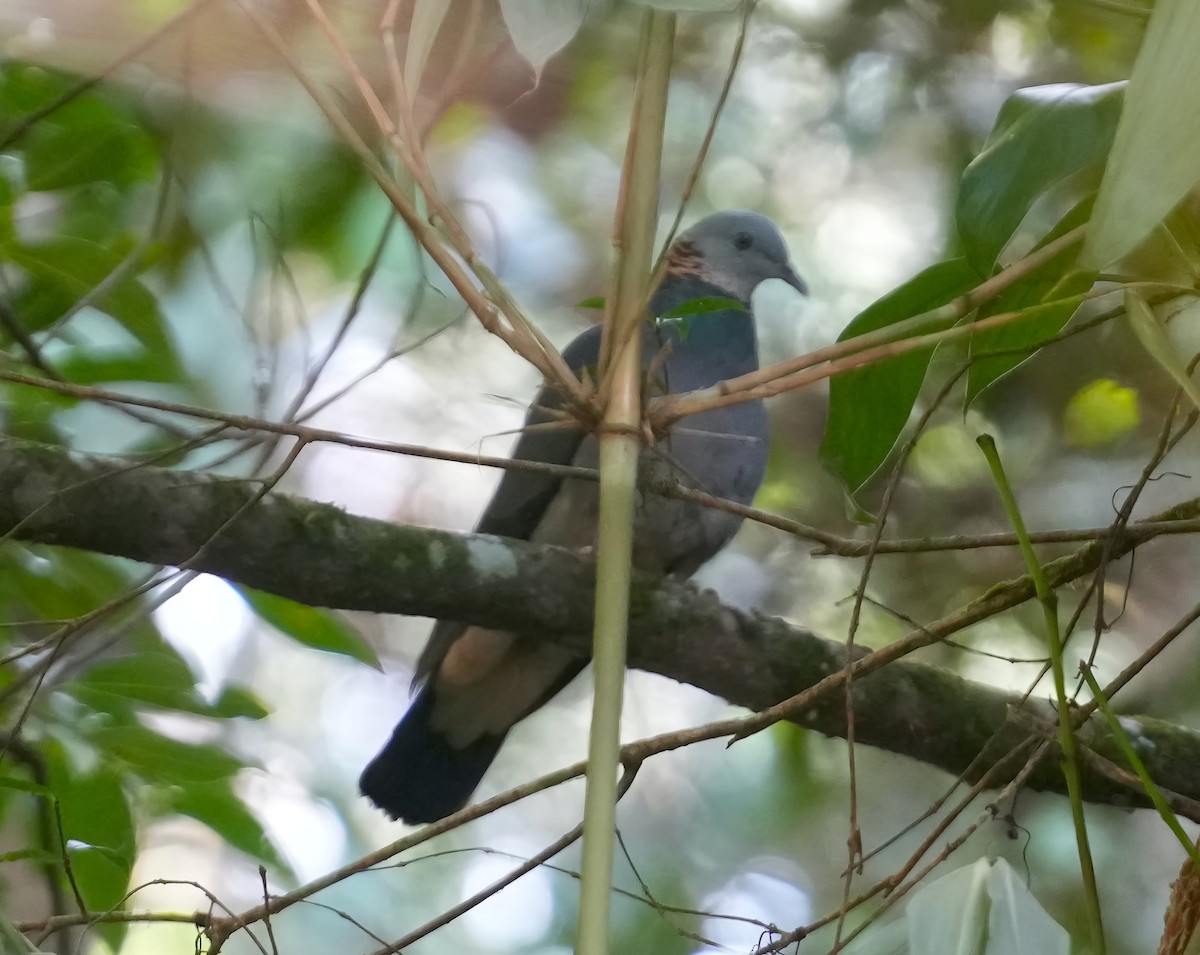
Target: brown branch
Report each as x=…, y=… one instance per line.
x=879, y=344
x=320, y=555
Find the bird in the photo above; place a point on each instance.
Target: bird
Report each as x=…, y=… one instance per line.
x=474, y=683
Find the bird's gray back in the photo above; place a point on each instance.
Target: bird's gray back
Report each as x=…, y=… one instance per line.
x=722, y=452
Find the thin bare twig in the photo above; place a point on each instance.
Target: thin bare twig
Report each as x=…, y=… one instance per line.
x=519, y=335
x=448, y=916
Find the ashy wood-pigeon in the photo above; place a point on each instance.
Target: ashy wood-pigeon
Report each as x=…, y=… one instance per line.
x=476, y=683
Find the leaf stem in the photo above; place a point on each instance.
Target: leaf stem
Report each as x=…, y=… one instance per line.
x=1066, y=728
x=1135, y=763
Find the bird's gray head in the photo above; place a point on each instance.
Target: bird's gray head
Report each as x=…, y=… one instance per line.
x=734, y=251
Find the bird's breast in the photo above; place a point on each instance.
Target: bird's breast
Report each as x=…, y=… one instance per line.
x=721, y=452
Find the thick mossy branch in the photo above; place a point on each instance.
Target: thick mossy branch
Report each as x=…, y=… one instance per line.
x=320, y=555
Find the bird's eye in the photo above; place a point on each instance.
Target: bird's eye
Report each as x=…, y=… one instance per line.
x=742, y=241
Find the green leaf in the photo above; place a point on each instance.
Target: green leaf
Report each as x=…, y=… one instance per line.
x=216, y=805
x=681, y=316
x=596, y=301
x=319, y=629
x=699, y=306
x=1043, y=135
x=57, y=584
x=159, y=678
x=85, y=143
x=98, y=827
x=1155, y=157
x=236, y=701
x=1154, y=339
x=692, y=6
x=160, y=759
x=23, y=785
x=85, y=140
x=1052, y=281
x=7, y=200
x=31, y=414
x=95, y=366
x=869, y=407
x=65, y=269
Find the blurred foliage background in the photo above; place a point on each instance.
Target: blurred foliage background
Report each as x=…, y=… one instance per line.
x=188, y=229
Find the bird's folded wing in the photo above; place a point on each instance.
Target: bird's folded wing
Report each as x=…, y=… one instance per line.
x=521, y=500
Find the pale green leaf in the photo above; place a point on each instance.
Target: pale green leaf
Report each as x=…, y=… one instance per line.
x=1154, y=339
x=978, y=909
x=1017, y=923
x=540, y=28
x=948, y=916
x=1155, y=158
x=427, y=19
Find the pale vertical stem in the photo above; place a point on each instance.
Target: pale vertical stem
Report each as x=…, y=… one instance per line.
x=620, y=445
x=1070, y=759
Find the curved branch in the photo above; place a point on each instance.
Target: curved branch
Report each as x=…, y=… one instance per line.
x=320, y=555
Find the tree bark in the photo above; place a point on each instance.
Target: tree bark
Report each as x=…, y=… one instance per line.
x=320, y=555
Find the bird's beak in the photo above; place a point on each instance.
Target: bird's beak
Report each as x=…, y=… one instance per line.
x=790, y=276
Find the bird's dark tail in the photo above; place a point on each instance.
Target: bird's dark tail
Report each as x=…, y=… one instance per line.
x=418, y=776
